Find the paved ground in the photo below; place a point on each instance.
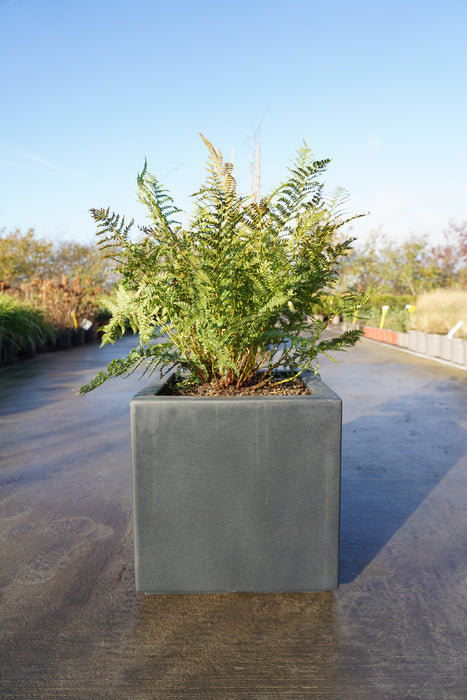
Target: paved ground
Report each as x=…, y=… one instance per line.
x=71, y=625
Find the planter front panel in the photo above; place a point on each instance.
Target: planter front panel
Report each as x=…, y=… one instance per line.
x=237, y=494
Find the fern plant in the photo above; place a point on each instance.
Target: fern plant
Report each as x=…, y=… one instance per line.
x=232, y=293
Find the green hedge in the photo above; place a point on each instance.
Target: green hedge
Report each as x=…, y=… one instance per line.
x=394, y=301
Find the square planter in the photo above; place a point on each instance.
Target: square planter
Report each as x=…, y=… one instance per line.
x=446, y=348
x=417, y=341
x=458, y=347
x=433, y=344
x=403, y=340
x=238, y=493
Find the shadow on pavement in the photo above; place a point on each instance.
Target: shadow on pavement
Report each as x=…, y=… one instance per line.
x=392, y=459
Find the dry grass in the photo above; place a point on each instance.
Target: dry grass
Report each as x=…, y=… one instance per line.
x=439, y=311
x=58, y=299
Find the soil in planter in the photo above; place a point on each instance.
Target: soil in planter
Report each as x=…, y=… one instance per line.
x=293, y=388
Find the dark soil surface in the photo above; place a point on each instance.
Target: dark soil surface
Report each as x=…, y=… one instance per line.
x=253, y=388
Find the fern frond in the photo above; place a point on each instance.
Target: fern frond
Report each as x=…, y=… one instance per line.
x=159, y=203
x=220, y=173
x=111, y=229
x=236, y=289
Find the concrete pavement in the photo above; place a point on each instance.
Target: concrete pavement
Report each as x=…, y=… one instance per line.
x=71, y=625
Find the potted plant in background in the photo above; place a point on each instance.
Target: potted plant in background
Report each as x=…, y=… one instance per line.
x=236, y=455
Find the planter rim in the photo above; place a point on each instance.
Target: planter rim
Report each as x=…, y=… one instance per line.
x=316, y=387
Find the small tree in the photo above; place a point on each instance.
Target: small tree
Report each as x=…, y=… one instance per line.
x=411, y=266
x=363, y=266
x=232, y=293
x=450, y=256
x=23, y=256
x=85, y=261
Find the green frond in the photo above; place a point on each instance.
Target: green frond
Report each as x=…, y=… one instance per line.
x=220, y=174
x=236, y=289
x=158, y=201
x=111, y=229
x=140, y=177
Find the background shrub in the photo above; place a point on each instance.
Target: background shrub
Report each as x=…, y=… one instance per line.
x=23, y=326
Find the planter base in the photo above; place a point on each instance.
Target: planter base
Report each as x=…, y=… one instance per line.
x=236, y=494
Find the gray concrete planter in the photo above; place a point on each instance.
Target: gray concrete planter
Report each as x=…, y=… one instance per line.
x=435, y=345
x=236, y=494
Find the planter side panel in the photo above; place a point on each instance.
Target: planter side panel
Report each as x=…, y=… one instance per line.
x=236, y=495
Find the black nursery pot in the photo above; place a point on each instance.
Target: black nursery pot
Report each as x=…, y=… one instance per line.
x=77, y=336
x=63, y=341
x=238, y=493
x=8, y=352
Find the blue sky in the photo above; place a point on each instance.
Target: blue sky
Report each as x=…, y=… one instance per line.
x=89, y=89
